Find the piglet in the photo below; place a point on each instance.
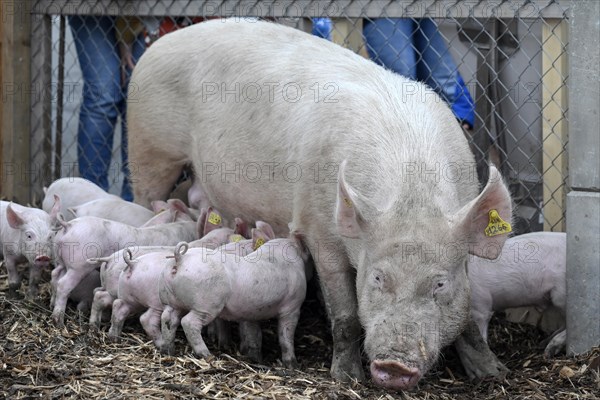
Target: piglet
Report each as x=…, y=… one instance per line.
x=113, y=265
x=529, y=272
x=268, y=283
x=87, y=237
x=26, y=235
x=114, y=209
x=73, y=192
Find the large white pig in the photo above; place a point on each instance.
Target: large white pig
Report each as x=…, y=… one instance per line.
x=267, y=114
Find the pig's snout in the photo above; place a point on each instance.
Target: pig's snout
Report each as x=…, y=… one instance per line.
x=42, y=261
x=394, y=375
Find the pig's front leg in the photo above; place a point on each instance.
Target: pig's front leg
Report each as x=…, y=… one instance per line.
x=477, y=358
x=35, y=277
x=14, y=278
x=339, y=290
x=64, y=287
x=251, y=340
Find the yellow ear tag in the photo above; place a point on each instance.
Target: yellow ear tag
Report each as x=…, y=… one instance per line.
x=496, y=225
x=348, y=202
x=214, y=218
x=235, y=238
x=259, y=242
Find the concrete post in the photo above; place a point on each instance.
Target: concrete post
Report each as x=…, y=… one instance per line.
x=583, y=201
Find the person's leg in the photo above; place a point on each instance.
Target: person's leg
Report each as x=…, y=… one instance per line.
x=137, y=50
x=100, y=67
x=389, y=43
x=437, y=68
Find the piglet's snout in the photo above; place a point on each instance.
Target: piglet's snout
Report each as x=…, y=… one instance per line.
x=394, y=375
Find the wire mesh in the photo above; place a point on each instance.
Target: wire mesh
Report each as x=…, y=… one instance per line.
x=501, y=66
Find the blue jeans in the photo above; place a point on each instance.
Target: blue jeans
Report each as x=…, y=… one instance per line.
x=417, y=50
x=104, y=98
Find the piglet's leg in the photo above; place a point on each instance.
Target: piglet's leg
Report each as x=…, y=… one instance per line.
x=150, y=321
x=14, y=278
x=170, y=320
x=35, y=276
x=65, y=286
x=192, y=325
x=120, y=311
x=102, y=300
x=55, y=276
x=251, y=340
x=286, y=330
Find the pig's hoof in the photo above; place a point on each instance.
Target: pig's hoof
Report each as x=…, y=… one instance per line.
x=347, y=370
x=58, y=320
x=556, y=345
x=167, y=350
x=291, y=364
x=32, y=295
x=13, y=290
x=114, y=338
x=253, y=354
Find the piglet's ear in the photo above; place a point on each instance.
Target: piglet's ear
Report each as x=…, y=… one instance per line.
x=213, y=221
x=158, y=206
x=55, y=208
x=200, y=223
x=349, y=220
x=242, y=228
x=258, y=238
x=485, y=221
x=15, y=220
x=266, y=228
x=178, y=205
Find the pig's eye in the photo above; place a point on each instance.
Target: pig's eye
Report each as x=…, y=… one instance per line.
x=439, y=286
x=378, y=279
x=29, y=235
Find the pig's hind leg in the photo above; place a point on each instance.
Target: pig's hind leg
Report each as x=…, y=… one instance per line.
x=64, y=287
x=120, y=311
x=170, y=321
x=286, y=329
x=150, y=321
x=192, y=325
x=102, y=300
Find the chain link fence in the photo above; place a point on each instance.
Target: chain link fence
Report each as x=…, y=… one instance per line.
x=501, y=66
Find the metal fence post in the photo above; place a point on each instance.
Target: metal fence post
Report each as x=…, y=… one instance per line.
x=583, y=201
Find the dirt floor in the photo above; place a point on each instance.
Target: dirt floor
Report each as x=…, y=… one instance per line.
x=37, y=360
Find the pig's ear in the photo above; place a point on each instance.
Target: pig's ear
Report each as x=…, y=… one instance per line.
x=15, y=220
x=258, y=238
x=349, y=220
x=200, y=223
x=158, y=206
x=213, y=221
x=241, y=228
x=485, y=221
x=266, y=228
x=178, y=205
x=55, y=208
